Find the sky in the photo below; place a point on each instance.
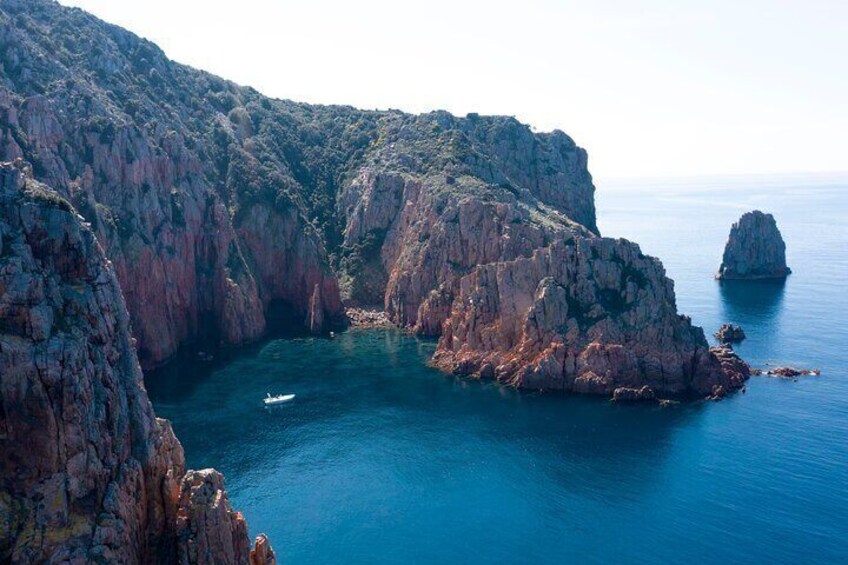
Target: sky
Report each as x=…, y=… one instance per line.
x=655, y=88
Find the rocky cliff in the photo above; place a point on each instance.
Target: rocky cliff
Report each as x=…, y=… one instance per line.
x=588, y=315
x=221, y=208
x=87, y=472
x=754, y=250
x=188, y=209
x=147, y=153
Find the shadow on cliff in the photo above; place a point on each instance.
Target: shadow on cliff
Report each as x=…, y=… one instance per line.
x=177, y=379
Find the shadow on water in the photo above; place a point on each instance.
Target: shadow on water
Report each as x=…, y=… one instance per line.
x=753, y=302
x=177, y=379
x=368, y=405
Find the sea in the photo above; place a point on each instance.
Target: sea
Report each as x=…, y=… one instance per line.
x=381, y=459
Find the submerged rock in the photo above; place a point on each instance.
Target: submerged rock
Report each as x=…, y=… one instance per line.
x=754, y=249
x=787, y=372
x=729, y=333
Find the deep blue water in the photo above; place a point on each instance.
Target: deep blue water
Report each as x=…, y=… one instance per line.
x=382, y=460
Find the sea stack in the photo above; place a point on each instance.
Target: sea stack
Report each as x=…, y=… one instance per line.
x=754, y=250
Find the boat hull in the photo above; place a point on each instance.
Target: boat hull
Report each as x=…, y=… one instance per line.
x=278, y=400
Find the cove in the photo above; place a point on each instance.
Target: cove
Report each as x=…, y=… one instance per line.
x=381, y=459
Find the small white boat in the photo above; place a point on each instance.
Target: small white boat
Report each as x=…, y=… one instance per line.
x=279, y=399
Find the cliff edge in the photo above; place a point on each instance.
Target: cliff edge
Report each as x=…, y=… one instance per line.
x=87, y=471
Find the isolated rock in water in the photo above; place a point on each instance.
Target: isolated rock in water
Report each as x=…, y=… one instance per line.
x=729, y=333
x=754, y=250
x=88, y=474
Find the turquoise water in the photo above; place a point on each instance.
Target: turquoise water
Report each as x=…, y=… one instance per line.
x=382, y=460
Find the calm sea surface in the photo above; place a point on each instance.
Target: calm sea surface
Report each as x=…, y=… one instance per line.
x=382, y=460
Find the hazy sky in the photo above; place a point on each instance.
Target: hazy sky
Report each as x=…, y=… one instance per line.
x=668, y=87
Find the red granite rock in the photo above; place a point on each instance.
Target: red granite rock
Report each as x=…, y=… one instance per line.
x=588, y=315
x=754, y=250
x=87, y=472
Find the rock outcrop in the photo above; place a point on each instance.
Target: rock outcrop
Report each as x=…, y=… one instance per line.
x=262, y=554
x=735, y=370
x=208, y=529
x=729, y=333
x=588, y=315
x=625, y=394
x=87, y=472
x=754, y=250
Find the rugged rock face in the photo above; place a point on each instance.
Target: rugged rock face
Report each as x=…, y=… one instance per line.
x=588, y=315
x=208, y=529
x=754, y=250
x=219, y=209
x=423, y=211
x=200, y=237
x=87, y=472
x=217, y=204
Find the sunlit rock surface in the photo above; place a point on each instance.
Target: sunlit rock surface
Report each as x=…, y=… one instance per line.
x=754, y=250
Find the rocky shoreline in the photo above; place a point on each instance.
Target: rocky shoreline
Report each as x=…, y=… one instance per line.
x=368, y=318
x=785, y=372
x=591, y=315
x=214, y=232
